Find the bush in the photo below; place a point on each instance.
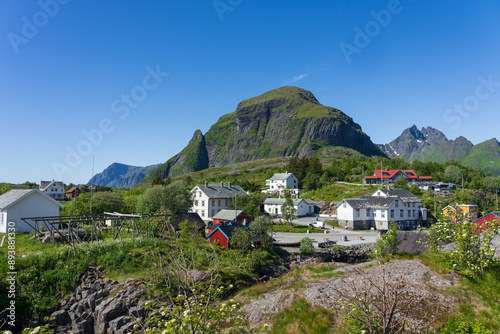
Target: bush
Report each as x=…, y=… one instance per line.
x=306, y=246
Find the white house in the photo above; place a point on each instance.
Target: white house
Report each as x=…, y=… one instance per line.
x=278, y=182
x=303, y=206
x=208, y=200
x=379, y=209
x=54, y=189
x=25, y=203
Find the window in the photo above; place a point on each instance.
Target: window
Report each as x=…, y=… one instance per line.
x=414, y=214
x=343, y=205
x=213, y=203
x=401, y=213
x=196, y=203
x=413, y=204
x=203, y=213
x=202, y=203
x=199, y=194
x=368, y=212
x=409, y=213
x=392, y=213
x=397, y=204
x=382, y=213
x=213, y=213
x=357, y=213
x=218, y=204
x=227, y=202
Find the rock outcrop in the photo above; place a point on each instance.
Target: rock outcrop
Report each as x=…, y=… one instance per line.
x=100, y=306
x=284, y=122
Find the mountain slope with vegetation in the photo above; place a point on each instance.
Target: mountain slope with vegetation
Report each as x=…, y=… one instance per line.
x=429, y=144
x=284, y=122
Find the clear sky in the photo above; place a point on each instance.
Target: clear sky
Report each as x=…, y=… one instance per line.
x=130, y=81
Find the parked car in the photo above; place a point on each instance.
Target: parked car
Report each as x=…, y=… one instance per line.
x=317, y=224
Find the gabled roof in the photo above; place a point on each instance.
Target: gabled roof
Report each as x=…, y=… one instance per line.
x=228, y=214
x=45, y=184
x=369, y=202
x=212, y=191
x=404, y=194
x=281, y=201
x=72, y=189
x=228, y=228
x=13, y=196
x=193, y=219
x=281, y=176
x=388, y=174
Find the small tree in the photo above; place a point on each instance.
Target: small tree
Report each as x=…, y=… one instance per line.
x=388, y=243
x=241, y=239
x=260, y=228
x=288, y=210
x=306, y=246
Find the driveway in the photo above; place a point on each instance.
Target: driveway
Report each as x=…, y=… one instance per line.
x=335, y=234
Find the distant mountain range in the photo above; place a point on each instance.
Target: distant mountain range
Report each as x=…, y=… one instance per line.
x=290, y=121
x=429, y=144
x=121, y=176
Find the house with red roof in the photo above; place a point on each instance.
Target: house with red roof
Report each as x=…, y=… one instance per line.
x=391, y=176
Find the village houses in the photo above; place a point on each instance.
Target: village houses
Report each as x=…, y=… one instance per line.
x=302, y=206
x=381, y=208
x=393, y=175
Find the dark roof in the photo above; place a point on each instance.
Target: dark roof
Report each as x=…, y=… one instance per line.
x=281, y=176
x=370, y=202
x=213, y=191
x=404, y=194
x=228, y=228
x=193, y=219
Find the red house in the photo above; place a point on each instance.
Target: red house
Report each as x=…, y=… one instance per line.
x=392, y=175
x=221, y=235
x=479, y=223
x=73, y=192
x=233, y=215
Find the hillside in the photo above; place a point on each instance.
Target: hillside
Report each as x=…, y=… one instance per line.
x=284, y=122
x=120, y=175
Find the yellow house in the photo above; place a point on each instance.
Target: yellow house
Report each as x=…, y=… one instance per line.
x=470, y=211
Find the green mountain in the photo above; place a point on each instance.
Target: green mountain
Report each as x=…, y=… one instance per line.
x=486, y=156
x=284, y=122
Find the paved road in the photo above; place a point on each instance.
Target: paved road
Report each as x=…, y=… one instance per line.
x=336, y=234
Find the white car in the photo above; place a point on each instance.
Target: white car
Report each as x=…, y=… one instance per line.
x=318, y=224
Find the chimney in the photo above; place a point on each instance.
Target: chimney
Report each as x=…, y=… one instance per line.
x=222, y=184
x=229, y=184
x=206, y=183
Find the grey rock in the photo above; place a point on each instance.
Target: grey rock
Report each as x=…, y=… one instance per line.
x=60, y=317
x=116, y=324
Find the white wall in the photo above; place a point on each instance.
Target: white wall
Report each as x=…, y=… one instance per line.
x=34, y=205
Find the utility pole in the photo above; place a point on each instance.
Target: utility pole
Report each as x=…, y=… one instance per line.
x=496, y=196
x=435, y=217
x=91, y=186
x=462, y=182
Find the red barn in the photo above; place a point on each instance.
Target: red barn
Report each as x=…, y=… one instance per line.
x=221, y=235
x=486, y=218
x=233, y=215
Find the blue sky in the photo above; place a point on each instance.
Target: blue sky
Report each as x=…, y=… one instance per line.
x=130, y=81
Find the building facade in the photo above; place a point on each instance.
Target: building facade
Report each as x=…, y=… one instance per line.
x=25, y=203
x=381, y=208
x=53, y=189
x=280, y=181
x=303, y=206
x=208, y=200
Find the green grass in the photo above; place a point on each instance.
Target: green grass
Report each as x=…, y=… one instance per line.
x=300, y=317
x=294, y=228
